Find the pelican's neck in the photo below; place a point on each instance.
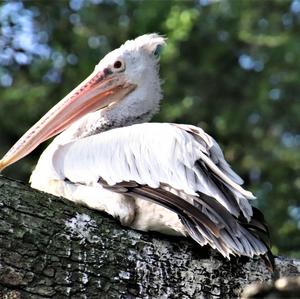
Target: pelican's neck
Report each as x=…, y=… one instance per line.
x=137, y=107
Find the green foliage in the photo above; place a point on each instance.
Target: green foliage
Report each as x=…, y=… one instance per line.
x=231, y=67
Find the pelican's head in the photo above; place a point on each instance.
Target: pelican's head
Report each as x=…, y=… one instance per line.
x=137, y=59
x=124, y=77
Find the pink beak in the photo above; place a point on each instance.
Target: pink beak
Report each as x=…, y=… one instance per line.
x=97, y=91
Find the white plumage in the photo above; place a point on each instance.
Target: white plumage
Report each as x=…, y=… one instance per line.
x=149, y=154
x=152, y=154
x=165, y=177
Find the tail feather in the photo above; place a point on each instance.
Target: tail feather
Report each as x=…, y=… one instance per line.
x=259, y=231
x=237, y=235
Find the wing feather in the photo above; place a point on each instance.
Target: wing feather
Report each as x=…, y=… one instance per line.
x=141, y=159
x=218, y=233
x=181, y=156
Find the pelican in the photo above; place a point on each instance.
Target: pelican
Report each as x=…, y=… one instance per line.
x=165, y=177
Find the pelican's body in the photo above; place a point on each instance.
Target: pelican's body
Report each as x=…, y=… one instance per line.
x=70, y=168
x=162, y=177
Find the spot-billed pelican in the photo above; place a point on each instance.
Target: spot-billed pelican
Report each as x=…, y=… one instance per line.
x=163, y=177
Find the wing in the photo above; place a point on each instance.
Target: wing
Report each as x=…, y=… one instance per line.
x=177, y=166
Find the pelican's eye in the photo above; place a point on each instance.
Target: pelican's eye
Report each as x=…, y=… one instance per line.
x=119, y=65
x=157, y=51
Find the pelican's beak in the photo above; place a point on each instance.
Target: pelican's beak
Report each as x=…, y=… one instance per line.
x=97, y=91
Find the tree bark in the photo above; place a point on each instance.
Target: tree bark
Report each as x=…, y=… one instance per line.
x=52, y=248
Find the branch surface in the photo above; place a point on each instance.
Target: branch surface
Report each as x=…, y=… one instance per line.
x=52, y=248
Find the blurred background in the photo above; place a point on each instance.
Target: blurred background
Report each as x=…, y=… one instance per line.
x=230, y=67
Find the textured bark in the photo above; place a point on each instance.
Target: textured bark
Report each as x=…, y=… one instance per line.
x=50, y=247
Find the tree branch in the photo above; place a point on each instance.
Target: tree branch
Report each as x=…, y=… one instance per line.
x=50, y=247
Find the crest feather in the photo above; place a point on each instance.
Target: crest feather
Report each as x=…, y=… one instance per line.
x=147, y=42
